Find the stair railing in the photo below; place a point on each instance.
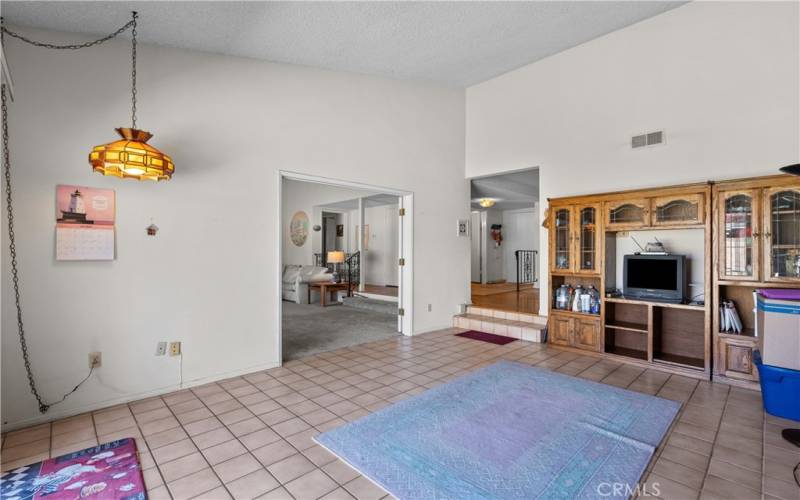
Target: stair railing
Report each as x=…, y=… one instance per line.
x=526, y=266
x=353, y=272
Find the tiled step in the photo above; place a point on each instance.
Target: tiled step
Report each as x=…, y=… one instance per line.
x=509, y=324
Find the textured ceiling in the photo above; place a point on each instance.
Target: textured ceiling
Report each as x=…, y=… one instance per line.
x=510, y=191
x=454, y=43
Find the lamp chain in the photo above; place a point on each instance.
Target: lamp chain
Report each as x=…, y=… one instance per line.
x=71, y=46
x=133, y=69
x=43, y=407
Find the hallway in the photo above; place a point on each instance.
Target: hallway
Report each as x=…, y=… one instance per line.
x=504, y=296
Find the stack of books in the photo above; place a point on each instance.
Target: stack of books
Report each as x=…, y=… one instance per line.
x=729, y=318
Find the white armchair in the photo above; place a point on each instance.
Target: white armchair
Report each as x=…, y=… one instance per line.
x=296, y=279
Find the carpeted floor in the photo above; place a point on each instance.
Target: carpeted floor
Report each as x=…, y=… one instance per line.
x=311, y=329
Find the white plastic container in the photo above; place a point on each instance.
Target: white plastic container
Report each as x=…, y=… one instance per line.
x=778, y=326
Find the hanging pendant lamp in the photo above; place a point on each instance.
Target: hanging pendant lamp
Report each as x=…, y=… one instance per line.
x=131, y=157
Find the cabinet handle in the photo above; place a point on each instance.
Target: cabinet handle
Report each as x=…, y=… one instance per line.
x=767, y=234
x=756, y=234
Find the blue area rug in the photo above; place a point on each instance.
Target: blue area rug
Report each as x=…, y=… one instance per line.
x=507, y=431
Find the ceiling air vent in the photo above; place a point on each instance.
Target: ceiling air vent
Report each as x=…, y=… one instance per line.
x=651, y=139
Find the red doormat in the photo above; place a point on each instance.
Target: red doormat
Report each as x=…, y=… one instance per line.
x=486, y=337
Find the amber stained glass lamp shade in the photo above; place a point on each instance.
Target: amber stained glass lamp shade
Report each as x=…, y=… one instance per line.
x=131, y=157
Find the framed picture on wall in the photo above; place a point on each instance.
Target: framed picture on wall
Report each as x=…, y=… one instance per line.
x=298, y=228
x=340, y=230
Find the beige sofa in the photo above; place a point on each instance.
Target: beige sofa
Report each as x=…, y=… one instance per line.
x=296, y=279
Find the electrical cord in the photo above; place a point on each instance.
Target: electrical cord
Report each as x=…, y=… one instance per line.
x=91, y=370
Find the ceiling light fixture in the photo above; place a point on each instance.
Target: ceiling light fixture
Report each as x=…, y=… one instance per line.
x=131, y=157
x=486, y=202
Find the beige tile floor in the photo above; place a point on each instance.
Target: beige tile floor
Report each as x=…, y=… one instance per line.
x=251, y=436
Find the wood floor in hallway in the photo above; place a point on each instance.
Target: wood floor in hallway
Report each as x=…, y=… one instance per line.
x=504, y=296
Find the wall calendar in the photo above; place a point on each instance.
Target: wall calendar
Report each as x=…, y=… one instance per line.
x=84, y=223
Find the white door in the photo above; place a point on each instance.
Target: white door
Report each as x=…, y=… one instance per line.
x=403, y=295
x=392, y=246
x=476, y=236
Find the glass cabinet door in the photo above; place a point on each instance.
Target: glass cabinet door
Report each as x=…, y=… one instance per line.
x=562, y=239
x=738, y=235
x=588, y=241
x=678, y=210
x=627, y=214
x=782, y=234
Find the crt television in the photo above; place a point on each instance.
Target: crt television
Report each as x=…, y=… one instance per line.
x=654, y=277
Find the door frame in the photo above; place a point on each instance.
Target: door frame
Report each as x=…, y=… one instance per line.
x=405, y=296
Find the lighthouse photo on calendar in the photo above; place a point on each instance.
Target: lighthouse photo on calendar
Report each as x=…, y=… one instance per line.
x=84, y=205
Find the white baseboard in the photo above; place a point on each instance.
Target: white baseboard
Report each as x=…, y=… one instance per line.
x=433, y=329
x=56, y=414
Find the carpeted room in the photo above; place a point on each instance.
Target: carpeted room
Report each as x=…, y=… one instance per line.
x=340, y=278
x=167, y=340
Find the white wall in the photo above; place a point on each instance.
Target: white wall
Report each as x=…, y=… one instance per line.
x=520, y=232
x=309, y=197
x=721, y=78
x=209, y=277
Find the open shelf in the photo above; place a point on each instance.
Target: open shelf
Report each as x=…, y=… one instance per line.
x=742, y=297
x=625, y=325
x=628, y=353
x=574, y=280
x=748, y=333
x=626, y=316
x=679, y=336
x=626, y=330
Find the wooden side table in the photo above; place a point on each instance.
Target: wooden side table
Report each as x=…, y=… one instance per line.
x=324, y=288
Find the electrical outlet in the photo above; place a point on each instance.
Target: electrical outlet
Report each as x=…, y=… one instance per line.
x=161, y=348
x=95, y=360
x=174, y=348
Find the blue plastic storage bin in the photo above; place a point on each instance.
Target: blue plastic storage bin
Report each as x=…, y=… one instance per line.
x=780, y=389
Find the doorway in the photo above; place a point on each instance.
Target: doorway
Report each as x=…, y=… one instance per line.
x=344, y=267
x=505, y=221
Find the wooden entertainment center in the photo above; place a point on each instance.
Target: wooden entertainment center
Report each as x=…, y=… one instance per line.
x=735, y=221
